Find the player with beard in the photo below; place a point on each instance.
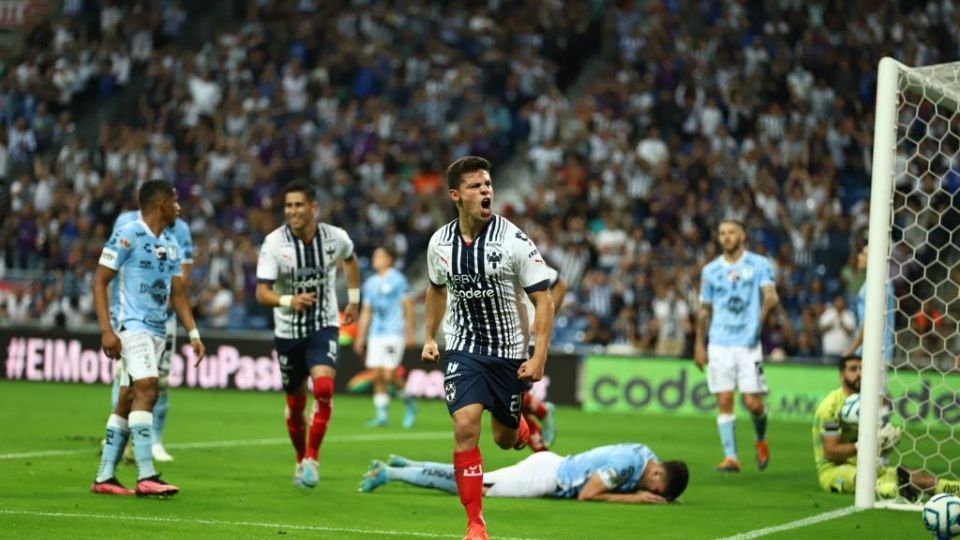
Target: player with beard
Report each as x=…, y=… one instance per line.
x=737, y=292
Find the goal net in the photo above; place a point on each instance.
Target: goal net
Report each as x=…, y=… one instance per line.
x=914, y=248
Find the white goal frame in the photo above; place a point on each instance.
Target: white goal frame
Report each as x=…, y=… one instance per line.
x=889, y=84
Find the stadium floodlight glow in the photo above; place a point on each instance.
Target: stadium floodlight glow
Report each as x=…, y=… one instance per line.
x=914, y=243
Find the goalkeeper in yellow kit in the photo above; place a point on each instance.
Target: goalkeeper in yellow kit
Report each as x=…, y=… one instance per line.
x=835, y=448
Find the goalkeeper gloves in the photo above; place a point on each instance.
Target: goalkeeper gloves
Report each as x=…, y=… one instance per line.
x=888, y=437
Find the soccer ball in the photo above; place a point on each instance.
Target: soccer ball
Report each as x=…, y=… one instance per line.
x=850, y=412
x=941, y=516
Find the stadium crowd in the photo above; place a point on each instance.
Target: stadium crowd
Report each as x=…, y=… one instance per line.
x=697, y=111
x=709, y=110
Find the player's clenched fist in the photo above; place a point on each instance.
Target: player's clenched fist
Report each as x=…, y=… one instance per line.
x=530, y=371
x=431, y=353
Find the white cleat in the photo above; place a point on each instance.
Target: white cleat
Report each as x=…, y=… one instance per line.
x=310, y=476
x=160, y=453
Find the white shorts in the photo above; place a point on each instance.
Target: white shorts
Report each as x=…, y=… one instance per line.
x=535, y=476
x=139, y=356
x=735, y=367
x=385, y=352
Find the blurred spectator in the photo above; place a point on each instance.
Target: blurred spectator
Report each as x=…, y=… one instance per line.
x=838, y=327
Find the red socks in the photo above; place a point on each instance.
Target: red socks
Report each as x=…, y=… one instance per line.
x=523, y=434
x=468, y=471
x=296, y=427
x=536, y=437
x=532, y=406
x=322, y=408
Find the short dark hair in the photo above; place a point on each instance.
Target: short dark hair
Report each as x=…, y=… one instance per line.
x=462, y=166
x=390, y=251
x=300, y=186
x=152, y=192
x=842, y=364
x=735, y=221
x=677, y=477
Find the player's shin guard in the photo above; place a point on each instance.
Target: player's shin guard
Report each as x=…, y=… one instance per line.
x=760, y=424
x=141, y=424
x=534, y=406
x=296, y=425
x=322, y=409
x=160, y=409
x=468, y=470
x=947, y=486
x=117, y=434
x=725, y=425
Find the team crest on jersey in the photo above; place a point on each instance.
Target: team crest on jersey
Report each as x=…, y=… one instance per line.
x=156, y=290
x=736, y=275
x=124, y=243
x=494, y=258
x=160, y=252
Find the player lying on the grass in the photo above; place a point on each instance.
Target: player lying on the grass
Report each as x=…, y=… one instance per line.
x=835, y=448
x=627, y=472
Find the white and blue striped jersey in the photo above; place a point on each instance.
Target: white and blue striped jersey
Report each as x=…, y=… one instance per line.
x=385, y=294
x=487, y=280
x=860, y=309
x=620, y=467
x=734, y=291
x=180, y=231
x=294, y=267
x=145, y=266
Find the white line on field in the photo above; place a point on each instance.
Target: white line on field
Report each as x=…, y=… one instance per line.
x=826, y=516
x=222, y=523
x=427, y=435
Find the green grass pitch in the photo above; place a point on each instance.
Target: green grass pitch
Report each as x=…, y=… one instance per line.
x=234, y=467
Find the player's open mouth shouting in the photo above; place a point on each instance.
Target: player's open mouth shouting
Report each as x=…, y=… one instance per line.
x=486, y=205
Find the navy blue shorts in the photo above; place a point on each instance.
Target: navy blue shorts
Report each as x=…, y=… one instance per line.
x=297, y=356
x=489, y=381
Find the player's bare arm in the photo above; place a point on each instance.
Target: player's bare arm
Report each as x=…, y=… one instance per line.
x=363, y=324
x=181, y=305
x=837, y=452
x=532, y=369
x=703, y=326
x=436, y=309
x=408, y=318
x=266, y=296
x=109, y=340
x=352, y=269
x=857, y=341
x=770, y=300
x=595, y=490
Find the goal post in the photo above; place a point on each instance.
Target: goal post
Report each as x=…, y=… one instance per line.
x=914, y=244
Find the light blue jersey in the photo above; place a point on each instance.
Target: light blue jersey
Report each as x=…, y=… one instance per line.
x=733, y=289
x=145, y=266
x=860, y=310
x=385, y=294
x=180, y=231
x=620, y=466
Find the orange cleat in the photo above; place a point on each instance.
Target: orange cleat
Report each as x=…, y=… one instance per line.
x=110, y=487
x=728, y=465
x=476, y=531
x=763, y=455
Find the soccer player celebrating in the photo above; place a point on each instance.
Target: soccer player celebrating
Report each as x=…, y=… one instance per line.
x=181, y=232
x=628, y=473
x=741, y=286
x=387, y=314
x=487, y=263
x=146, y=256
x=835, y=447
x=296, y=275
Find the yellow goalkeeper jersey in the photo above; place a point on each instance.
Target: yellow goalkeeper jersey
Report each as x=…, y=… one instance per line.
x=826, y=421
